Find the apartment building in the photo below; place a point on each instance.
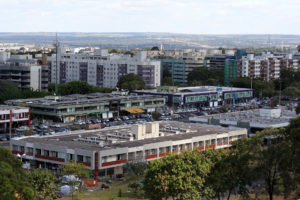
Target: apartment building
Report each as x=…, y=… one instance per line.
x=266, y=66
x=103, y=69
x=27, y=72
x=106, y=151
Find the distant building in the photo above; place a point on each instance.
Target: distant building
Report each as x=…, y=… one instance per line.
x=179, y=63
x=27, y=72
x=103, y=69
x=14, y=116
x=230, y=71
x=217, y=61
x=266, y=66
x=201, y=96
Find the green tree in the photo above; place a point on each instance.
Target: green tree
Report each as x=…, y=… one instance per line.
x=156, y=115
x=136, y=188
x=206, y=76
x=43, y=182
x=168, y=81
x=298, y=48
x=271, y=161
x=230, y=173
x=131, y=82
x=13, y=180
x=155, y=48
x=298, y=108
x=291, y=92
x=178, y=176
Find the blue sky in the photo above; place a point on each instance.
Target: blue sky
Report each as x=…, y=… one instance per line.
x=178, y=16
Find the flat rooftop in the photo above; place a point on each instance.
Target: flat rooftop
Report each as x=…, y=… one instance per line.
x=198, y=89
x=7, y=107
x=172, y=131
x=250, y=116
x=79, y=99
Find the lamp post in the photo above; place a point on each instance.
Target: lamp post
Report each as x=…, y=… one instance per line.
x=21, y=156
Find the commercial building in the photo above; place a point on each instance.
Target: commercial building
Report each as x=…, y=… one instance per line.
x=106, y=151
x=230, y=71
x=253, y=120
x=13, y=116
x=201, y=96
x=72, y=107
x=103, y=69
x=25, y=71
x=266, y=66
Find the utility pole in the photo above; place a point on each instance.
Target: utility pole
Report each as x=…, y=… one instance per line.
x=56, y=66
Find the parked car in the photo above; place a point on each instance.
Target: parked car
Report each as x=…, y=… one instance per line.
x=3, y=138
x=43, y=126
x=55, y=126
x=22, y=128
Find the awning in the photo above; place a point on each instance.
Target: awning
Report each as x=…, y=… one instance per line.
x=135, y=110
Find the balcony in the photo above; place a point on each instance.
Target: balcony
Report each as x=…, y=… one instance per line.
x=151, y=156
x=50, y=158
x=164, y=154
x=117, y=162
x=88, y=164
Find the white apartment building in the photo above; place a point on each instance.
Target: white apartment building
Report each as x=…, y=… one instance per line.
x=103, y=69
x=266, y=65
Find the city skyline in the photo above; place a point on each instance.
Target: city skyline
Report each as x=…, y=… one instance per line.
x=190, y=16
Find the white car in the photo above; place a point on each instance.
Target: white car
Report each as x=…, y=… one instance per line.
x=23, y=128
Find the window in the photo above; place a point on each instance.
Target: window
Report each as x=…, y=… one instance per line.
x=54, y=154
x=15, y=148
x=80, y=158
x=38, y=151
x=88, y=159
x=46, y=153
x=70, y=156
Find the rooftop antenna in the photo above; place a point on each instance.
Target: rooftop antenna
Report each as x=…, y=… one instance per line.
x=56, y=66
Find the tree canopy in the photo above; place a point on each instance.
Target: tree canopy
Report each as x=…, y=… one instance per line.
x=205, y=76
x=13, y=180
x=131, y=82
x=43, y=182
x=182, y=176
x=77, y=87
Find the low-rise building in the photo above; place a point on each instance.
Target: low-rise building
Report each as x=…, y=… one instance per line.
x=200, y=96
x=71, y=107
x=253, y=120
x=106, y=151
x=13, y=116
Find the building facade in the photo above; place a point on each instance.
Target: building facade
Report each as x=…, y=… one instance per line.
x=106, y=151
x=230, y=71
x=201, y=96
x=27, y=72
x=13, y=116
x=73, y=107
x=103, y=69
x=266, y=66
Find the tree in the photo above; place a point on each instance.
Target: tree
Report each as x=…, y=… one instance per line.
x=13, y=180
x=131, y=82
x=178, y=176
x=155, y=48
x=230, y=173
x=298, y=108
x=168, y=81
x=156, y=115
x=206, y=76
x=271, y=160
x=291, y=92
x=136, y=187
x=298, y=48
x=43, y=182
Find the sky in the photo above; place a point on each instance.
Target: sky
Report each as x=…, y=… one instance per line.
x=174, y=16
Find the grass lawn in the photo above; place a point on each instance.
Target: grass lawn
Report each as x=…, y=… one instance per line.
x=108, y=194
